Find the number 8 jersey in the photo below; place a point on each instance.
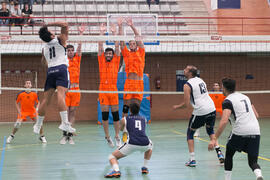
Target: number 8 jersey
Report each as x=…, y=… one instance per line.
x=135, y=126
x=199, y=97
x=55, y=53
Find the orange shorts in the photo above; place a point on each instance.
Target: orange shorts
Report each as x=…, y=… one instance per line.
x=108, y=99
x=133, y=85
x=24, y=116
x=73, y=99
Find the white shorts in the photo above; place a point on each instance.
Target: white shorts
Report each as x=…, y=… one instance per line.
x=127, y=149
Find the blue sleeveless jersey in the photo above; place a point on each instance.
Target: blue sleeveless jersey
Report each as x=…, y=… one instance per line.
x=135, y=126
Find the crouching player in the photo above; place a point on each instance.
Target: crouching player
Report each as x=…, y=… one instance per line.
x=137, y=140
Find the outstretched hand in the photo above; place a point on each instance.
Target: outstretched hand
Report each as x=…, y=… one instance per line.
x=81, y=29
x=129, y=21
x=102, y=28
x=211, y=145
x=113, y=28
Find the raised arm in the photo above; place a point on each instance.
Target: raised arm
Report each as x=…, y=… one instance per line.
x=64, y=30
x=137, y=35
x=120, y=28
x=102, y=29
x=79, y=48
x=113, y=29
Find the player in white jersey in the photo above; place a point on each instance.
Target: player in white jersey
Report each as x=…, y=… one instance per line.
x=245, y=134
x=55, y=56
x=204, y=111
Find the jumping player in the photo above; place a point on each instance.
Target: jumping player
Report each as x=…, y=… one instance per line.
x=108, y=71
x=137, y=141
x=55, y=56
x=245, y=134
x=26, y=105
x=73, y=98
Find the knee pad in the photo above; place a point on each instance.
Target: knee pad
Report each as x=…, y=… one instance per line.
x=111, y=157
x=115, y=116
x=105, y=116
x=125, y=109
x=17, y=124
x=210, y=130
x=190, y=134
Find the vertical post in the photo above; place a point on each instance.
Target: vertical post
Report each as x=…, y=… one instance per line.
x=0, y=65
x=36, y=81
x=208, y=26
x=242, y=26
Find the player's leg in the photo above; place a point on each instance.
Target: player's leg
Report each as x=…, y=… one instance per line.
x=114, y=163
x=61, y=94
x=147, y=157
x=210, y=124
x=42, y=109
x=253, y=152
x=16, y=127
x=228, y=163
x=115, y=113
x=42, y=138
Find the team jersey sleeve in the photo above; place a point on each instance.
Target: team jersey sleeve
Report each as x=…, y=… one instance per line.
x=36, y=98
x=142, y=51
x=78, y=57
x=227, y=104
x=18, y=98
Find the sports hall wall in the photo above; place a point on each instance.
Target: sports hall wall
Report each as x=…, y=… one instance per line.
x=213, y=67
x=251, y=19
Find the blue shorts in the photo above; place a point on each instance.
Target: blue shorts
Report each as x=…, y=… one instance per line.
x=57, y=76
x=196, y=122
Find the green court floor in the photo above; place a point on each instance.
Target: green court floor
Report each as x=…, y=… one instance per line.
x=27, y=159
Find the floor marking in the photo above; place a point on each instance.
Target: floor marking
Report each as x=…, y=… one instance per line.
x=2, y=157
x=204, y=140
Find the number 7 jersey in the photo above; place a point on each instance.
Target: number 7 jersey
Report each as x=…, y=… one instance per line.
x=199, y=97
x=55, y=53
x=135, y=126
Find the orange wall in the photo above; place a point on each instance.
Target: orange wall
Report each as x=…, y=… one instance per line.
x=249, y=8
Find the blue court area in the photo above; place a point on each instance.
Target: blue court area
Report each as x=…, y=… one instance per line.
x=26, y=158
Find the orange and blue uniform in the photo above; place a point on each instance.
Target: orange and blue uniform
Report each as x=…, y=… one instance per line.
x=73, y=98
x=135, y=62
x=108, y=73
x=27, y=100
x=218, y=99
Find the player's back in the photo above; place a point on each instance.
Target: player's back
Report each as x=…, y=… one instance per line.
x=55, y=53
x=243, y=118
x=199, y=97
x=135, y=126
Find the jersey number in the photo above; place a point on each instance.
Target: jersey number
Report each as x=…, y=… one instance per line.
x=245, y=102
x=52, y=52
x=202, y=88
x=138, y=125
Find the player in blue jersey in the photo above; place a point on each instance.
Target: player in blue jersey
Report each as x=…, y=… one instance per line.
x=137, y=140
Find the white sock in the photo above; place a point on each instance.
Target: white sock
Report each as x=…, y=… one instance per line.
x=64, y=116
x=115, y=167
x=228, y=175
x=40, y=120
x=192, y=156
x=258, y=173
x=145, y=163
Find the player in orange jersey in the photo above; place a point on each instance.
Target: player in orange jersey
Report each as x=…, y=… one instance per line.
x=134, y=59
x=218, y=98
x=26, y=105
x=108, y=71
x=73, y=98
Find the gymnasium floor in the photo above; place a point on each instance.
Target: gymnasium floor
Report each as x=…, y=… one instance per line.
x=27, y=159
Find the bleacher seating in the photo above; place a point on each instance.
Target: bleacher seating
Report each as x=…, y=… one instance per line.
x=97, y=10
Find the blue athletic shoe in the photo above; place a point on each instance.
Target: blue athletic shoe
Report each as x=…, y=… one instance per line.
x=113, y=174
x=145, y=170
x=220, y=158
x=191, y=163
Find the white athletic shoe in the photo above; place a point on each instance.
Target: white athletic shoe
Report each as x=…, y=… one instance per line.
x=67, y=127
x=70, y=140
x=36, y=128
x=9, y=139
x=63, y=140
x=117, y=141
x=260, y=178
x=43, y=139
x=110, y=142
x=197, y=133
